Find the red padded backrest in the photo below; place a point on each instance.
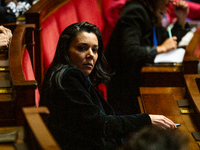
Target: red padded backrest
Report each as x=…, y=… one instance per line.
x=49, y=37
x=66, y=15
x=29, y=73
x=52, y=28
x=105, y=4
x=89, y=10
x=111, y=9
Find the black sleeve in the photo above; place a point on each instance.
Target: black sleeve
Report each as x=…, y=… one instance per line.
x=180, y=31
x=88, y=113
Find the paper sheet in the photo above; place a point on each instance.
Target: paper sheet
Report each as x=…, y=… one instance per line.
x=175, y=56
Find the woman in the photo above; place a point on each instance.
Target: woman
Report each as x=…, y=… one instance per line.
x=136, y=39
x=80, y=117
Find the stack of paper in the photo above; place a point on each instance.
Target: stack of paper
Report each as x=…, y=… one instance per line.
x=174, y=56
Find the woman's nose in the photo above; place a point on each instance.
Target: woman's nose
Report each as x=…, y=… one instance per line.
x=90, y=53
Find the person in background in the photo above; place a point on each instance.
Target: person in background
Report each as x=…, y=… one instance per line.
x=137, y=38
x=151, y=138
x=116, y=7
x=10, y=10
x=5, y=37
x=80, y=118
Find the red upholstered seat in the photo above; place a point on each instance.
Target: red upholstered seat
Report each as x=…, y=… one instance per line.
x=89, y=11
x=29, y=73
x=49, y=36
x=65, y=16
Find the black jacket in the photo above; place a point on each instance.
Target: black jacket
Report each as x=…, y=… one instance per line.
x=82, y=120
x=129, y=48
x=6, y=14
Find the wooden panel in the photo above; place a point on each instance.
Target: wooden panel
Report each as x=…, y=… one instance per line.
x=154, y=104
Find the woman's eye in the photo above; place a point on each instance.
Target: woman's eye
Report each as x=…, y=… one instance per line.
x=95, y=50
x=81, y=48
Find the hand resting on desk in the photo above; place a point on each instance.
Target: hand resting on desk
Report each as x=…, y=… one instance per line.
x=162, y=122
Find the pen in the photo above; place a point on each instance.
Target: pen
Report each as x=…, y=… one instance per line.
x=177, y=124
x=169, y=32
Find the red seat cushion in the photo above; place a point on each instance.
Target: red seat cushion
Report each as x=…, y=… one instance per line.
x=49, y=36
x=29, y=74
x=89, y=10
x=66, y=15
x=52, y=27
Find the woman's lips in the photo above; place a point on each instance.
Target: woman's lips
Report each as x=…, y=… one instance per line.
x=88, y=65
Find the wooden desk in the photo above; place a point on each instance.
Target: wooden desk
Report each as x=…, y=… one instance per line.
x=169, y=75
x=163, y=101
x=34, y=135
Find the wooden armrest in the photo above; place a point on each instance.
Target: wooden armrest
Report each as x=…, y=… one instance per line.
x=39, y=128
x=190, y=48
x=24, y=90
x=17, y=46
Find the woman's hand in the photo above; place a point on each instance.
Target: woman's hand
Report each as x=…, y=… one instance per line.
x=168, y=45
x=181, y=9
x=5, y=37
x=6, y=31
x=162, y=122
x=4, y=41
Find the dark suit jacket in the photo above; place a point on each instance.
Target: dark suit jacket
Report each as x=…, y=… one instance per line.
x=6, y=14
x=82, y=119
x=129, y=48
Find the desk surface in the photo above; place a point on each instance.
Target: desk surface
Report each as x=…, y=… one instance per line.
x=163, y=101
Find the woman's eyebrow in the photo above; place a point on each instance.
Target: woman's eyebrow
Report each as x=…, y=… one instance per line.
x=96, y=45
x=88, y=44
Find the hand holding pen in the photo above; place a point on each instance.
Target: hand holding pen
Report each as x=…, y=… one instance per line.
x=169, y=44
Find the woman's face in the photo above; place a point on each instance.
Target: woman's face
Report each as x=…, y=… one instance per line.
x=164, y=5
x=83, y=52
